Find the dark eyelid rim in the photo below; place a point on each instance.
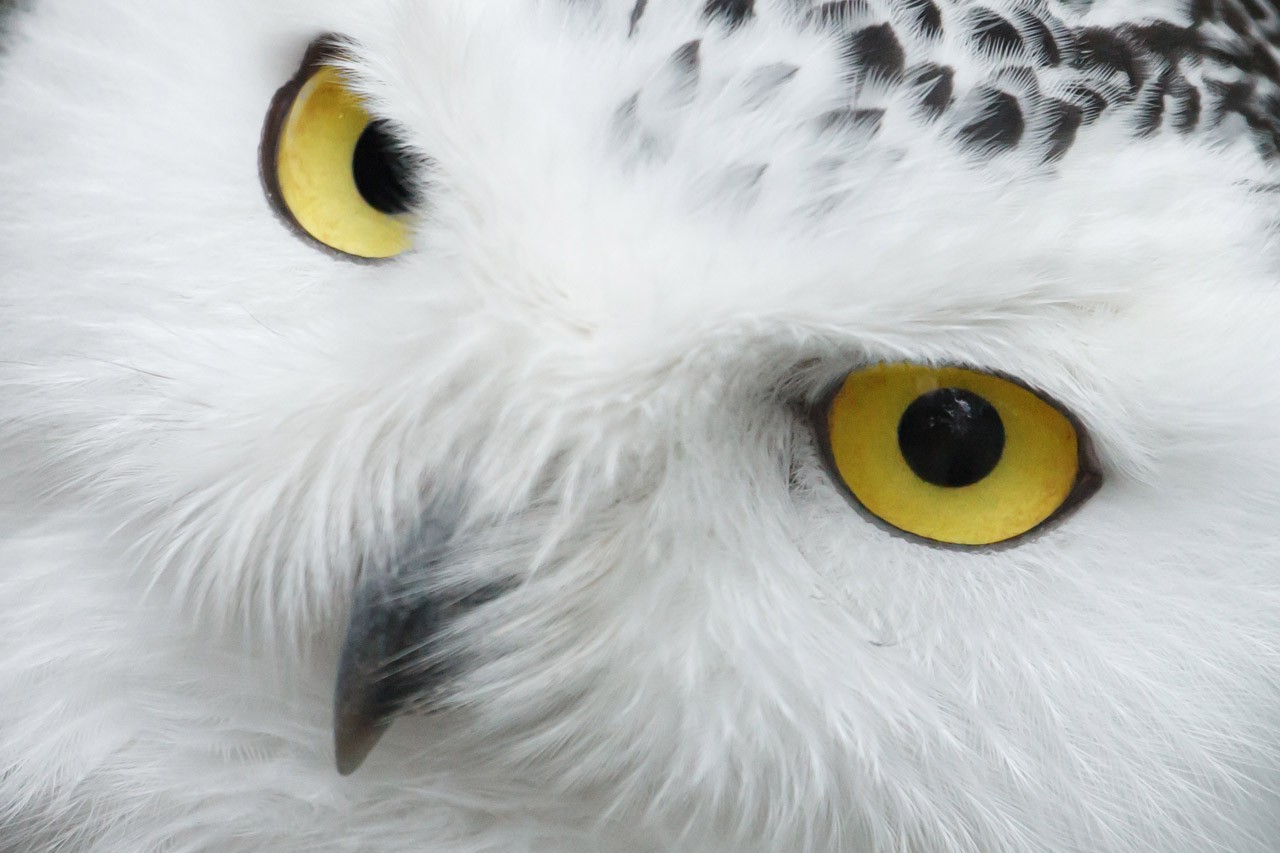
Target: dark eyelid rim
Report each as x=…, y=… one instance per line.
x=1088, y=466
x=325, y=50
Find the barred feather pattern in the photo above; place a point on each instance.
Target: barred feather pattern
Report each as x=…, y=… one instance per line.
x=1034, y=73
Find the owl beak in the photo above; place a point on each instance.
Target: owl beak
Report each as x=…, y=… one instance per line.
x=370, y=689
x=393, y=658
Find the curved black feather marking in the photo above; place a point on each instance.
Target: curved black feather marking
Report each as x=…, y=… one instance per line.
x=838, y=15
x=1260, y=113
x=925, y=17
x=1110, y=50
x=687, y=58
x=1169, y=41
x=1185, y=112
x=846, y=119
x=1063, y=120
x=998, y=125
x=683, y=71
x=1233, y=97
x=873, y=53
x=1234, y=16
x=1269, y=106
x=732, y=13
x=993, y=34
x=637, y=12
x=935, y=83
x=1264, y=60
x=1233, y=53
x=1148, y=109
x=1266, y=16
x=1091, y=102
x=1037, y=35
x=1161, y=73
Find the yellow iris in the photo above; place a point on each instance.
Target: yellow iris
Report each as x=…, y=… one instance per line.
x=886, y=425
x=312, y=168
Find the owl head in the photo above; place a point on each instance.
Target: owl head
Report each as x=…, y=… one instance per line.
x=659, y=425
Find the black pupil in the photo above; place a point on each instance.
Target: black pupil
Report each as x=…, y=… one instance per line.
x=951, y=437
x=382, y=171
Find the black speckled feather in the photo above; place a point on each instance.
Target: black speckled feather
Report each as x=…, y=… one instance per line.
x=1036, y=74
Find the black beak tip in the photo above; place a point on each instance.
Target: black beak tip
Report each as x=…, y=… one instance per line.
x=354, y=737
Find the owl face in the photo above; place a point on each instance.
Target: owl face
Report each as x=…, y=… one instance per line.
x=670, y=426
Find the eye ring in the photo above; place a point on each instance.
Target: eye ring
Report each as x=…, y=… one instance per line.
x=334, y=174
x=1087, y=480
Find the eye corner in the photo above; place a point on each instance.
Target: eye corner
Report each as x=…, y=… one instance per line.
x=327, y=49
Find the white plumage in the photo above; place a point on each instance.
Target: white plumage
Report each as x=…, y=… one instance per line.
x=653, y=236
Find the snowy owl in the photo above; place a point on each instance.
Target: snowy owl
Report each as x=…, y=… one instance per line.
x=639, y=426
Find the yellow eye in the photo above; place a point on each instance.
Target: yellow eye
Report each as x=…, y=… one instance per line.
x=331, y=170
x=954, y=455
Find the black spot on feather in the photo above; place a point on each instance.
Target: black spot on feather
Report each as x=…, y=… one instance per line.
x=873, y=53
x=732, y=13
x=1263, y=60
x=926, y=17
x=1261, y=113
x=679, y=85
x=1148, y=109
x=1266, y=16
x=637, y=12
x=998, y=125
x=839, y=14
x=1039, y=38
x=1169, y=41
x=1233, y=97
x=1185, y=112
x=935, y=84
x=1062, y=120
x=1090, y=102
x=847, y=119
x=1233, y=16
x=687, y=58
x=993, y=34
x=1110, y=51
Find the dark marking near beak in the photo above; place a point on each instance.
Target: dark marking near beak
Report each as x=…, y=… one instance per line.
x=396, y=656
